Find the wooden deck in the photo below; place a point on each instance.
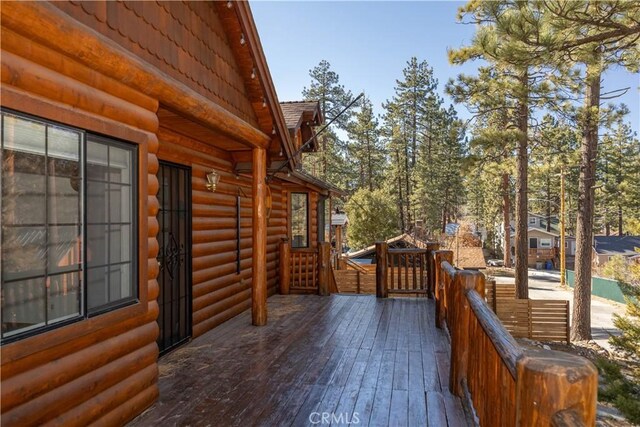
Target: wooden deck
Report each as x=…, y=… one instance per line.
x=380, y=358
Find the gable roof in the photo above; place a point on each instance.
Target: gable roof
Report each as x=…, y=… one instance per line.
x=296, y=111
x=616, y=245
x=303, y=116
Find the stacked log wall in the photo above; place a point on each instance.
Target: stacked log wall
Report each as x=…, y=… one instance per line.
x=218, y=291
x=102, y=369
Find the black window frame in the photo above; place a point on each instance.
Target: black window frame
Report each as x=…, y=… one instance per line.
x=308, y=220
x=85, y=312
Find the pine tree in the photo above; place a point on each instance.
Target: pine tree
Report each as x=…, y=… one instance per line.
x=409, y=121
x=365, y=148
x=595, y=35
x=330, y=163
x=618, y=169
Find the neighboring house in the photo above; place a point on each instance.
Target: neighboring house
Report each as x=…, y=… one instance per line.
x=544, y=241
x=142, y=204
x=606, y=247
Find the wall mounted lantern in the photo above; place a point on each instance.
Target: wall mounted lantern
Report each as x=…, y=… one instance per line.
x=212, y=180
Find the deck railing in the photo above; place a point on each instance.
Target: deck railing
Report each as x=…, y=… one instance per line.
x=503, y=383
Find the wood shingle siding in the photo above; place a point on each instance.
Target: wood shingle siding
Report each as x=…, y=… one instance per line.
x=185, y=40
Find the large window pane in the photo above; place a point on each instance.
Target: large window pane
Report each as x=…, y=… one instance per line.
x=110, y=219
x=44, y=202
x=41, y=224
x=299, y=220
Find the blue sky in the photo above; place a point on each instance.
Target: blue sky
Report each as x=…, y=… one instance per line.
x=369, y=43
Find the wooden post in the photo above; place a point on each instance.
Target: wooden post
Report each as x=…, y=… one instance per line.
x=285, y=266
x=431, y=248
x=324, y=264
x=381, y=269
x=259, y=262
x=339, y=246
x=439, y=292
x=553, y=386
x=460, y=336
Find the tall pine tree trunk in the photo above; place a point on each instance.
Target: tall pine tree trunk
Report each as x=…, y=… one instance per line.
x=506, y=218
x=400, y=199
x=522, y=247
x=619, y=220
x=581, y=318
x=548, y=201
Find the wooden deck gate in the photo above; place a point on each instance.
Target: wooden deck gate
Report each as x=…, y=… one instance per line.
x=304, y=270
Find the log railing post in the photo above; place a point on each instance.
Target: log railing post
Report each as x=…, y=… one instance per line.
x=324, y=264
x=431, y=280
x=381, y=269
x=438, y=277
x=259, y=262
x=285, y=266
x=460, y=334
x=553, y=386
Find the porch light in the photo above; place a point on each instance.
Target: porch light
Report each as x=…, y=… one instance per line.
x=212, y=180
x=242, y=41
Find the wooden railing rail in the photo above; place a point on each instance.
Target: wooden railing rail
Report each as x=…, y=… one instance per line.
x=503, y=383
x=351, y=263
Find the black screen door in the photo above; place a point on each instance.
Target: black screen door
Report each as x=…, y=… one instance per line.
x=174, y=256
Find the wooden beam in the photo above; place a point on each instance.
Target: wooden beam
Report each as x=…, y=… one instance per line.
x=56, y=30
x=259, y=282
x=381, y=269
x=285, y=266
x=324, y=267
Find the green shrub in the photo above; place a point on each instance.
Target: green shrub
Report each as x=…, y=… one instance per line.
x=621, y=391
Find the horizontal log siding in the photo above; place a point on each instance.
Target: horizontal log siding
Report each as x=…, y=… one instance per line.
x=102, y=369
x=218, y=292
x=184, y=40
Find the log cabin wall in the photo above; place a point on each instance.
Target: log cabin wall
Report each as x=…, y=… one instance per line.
x=101, y=369
x=183, y=39
x=218, y=292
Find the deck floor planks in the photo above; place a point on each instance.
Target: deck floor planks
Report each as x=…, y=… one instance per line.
x=383, y=359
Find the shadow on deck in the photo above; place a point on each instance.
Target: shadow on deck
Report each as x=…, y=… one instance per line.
x=380, y=360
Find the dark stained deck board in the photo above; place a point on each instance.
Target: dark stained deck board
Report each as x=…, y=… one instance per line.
x=381, y=358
